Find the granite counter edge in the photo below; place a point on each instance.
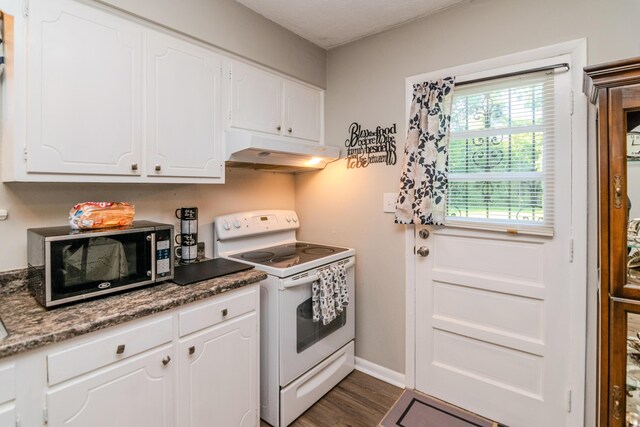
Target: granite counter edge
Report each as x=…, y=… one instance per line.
x=11, y=348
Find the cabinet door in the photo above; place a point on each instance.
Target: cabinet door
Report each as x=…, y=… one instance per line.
x=84, y=90
x=256, y=99
x=624, y=374
x=183, y=109
x=218, y=376
x=133, y=393
x=623, y=168
x=302, y=111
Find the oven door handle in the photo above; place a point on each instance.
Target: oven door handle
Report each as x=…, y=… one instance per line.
x=292, y=283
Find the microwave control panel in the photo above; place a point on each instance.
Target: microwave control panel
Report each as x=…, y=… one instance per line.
x=163, y=253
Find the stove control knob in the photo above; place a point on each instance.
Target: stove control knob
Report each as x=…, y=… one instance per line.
x=288, y=218
x=226, y=225
x=236, y=223
x=294, y=219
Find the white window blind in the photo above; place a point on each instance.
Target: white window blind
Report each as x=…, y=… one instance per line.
x=501, y=155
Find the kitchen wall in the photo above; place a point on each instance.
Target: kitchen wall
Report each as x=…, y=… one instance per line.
x=236, y=28
x=365, y=83
x=227, y=25
x=48, y=204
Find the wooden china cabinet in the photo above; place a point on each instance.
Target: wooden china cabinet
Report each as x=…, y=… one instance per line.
x=615, y=89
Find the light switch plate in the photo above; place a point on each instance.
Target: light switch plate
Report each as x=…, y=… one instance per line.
x=389, y=202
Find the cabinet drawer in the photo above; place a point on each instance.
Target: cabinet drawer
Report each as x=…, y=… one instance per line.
x=220, y=309
x=7, y=383
x=103, y=351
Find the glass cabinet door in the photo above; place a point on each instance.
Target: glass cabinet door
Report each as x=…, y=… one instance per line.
x=624, y=192
x=624, y=398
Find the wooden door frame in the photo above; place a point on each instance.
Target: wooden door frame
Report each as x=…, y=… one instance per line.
x=577, y=49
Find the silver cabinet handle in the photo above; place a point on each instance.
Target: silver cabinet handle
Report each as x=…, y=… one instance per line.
x=134, y=166
x=120, y=349
x=192, y=349
x=158, y=168
x=166, y=360
x=423, y=252
x=424, y=233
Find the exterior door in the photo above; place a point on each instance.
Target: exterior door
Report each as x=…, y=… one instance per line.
x=493, y=309
x=493, y=325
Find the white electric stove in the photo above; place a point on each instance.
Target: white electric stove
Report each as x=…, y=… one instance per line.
x=300, y=360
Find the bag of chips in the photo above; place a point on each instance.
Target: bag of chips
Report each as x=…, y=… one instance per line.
x=90, y=215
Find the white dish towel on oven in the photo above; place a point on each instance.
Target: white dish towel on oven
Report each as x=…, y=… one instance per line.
x=329, y=294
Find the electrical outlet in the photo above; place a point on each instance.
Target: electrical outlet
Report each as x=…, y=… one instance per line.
x=389, y=202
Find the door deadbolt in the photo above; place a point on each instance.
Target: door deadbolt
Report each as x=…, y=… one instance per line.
x=423, y=251
x=424, y=233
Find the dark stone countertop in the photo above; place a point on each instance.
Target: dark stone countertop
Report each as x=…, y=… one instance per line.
x=32, y=326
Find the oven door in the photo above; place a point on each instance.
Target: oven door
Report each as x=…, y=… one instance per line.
x=303, y=342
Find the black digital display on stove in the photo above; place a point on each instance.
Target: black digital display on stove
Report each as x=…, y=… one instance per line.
x=264, y=218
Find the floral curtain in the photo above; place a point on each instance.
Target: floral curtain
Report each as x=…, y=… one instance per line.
x=424, y=180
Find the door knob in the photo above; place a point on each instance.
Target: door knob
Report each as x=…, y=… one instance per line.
x=424, y=233
x=423, y=251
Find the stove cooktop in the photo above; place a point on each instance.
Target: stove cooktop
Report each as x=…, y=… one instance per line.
x=289, y=255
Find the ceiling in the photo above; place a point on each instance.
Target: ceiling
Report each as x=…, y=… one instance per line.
x=330, y=23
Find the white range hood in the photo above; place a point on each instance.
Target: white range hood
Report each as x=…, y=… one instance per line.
x=254, y=151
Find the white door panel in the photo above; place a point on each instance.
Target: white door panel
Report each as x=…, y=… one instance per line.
x=302, y=111
x=256, y=99
x=84, y=92
x=183, y=109
x=489, y=324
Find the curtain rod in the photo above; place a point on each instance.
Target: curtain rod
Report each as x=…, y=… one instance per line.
x=517, y=73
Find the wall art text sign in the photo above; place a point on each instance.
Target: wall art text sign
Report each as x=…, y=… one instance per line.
x=366, y=146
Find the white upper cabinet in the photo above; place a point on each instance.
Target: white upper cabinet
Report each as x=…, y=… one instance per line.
x=84, y=103
x=264, y=102
x=256, y=99
x=183, y=109
x=302, y=111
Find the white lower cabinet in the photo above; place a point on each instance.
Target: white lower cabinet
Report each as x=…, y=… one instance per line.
x=218, y=375
x=8, y=415
x=195, y=365
x=138, y=392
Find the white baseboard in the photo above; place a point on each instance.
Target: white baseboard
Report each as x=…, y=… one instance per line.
x=380, y=372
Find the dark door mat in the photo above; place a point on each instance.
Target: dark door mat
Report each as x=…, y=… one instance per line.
x=414, y=409
x=208, y=269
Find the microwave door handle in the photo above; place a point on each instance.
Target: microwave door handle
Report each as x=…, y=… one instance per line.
x=292, y=283
x=152, y=256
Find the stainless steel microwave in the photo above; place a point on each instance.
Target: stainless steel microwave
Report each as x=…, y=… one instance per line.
x=68, y=265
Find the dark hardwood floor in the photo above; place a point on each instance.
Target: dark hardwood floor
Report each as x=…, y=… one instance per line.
x=358, y=401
